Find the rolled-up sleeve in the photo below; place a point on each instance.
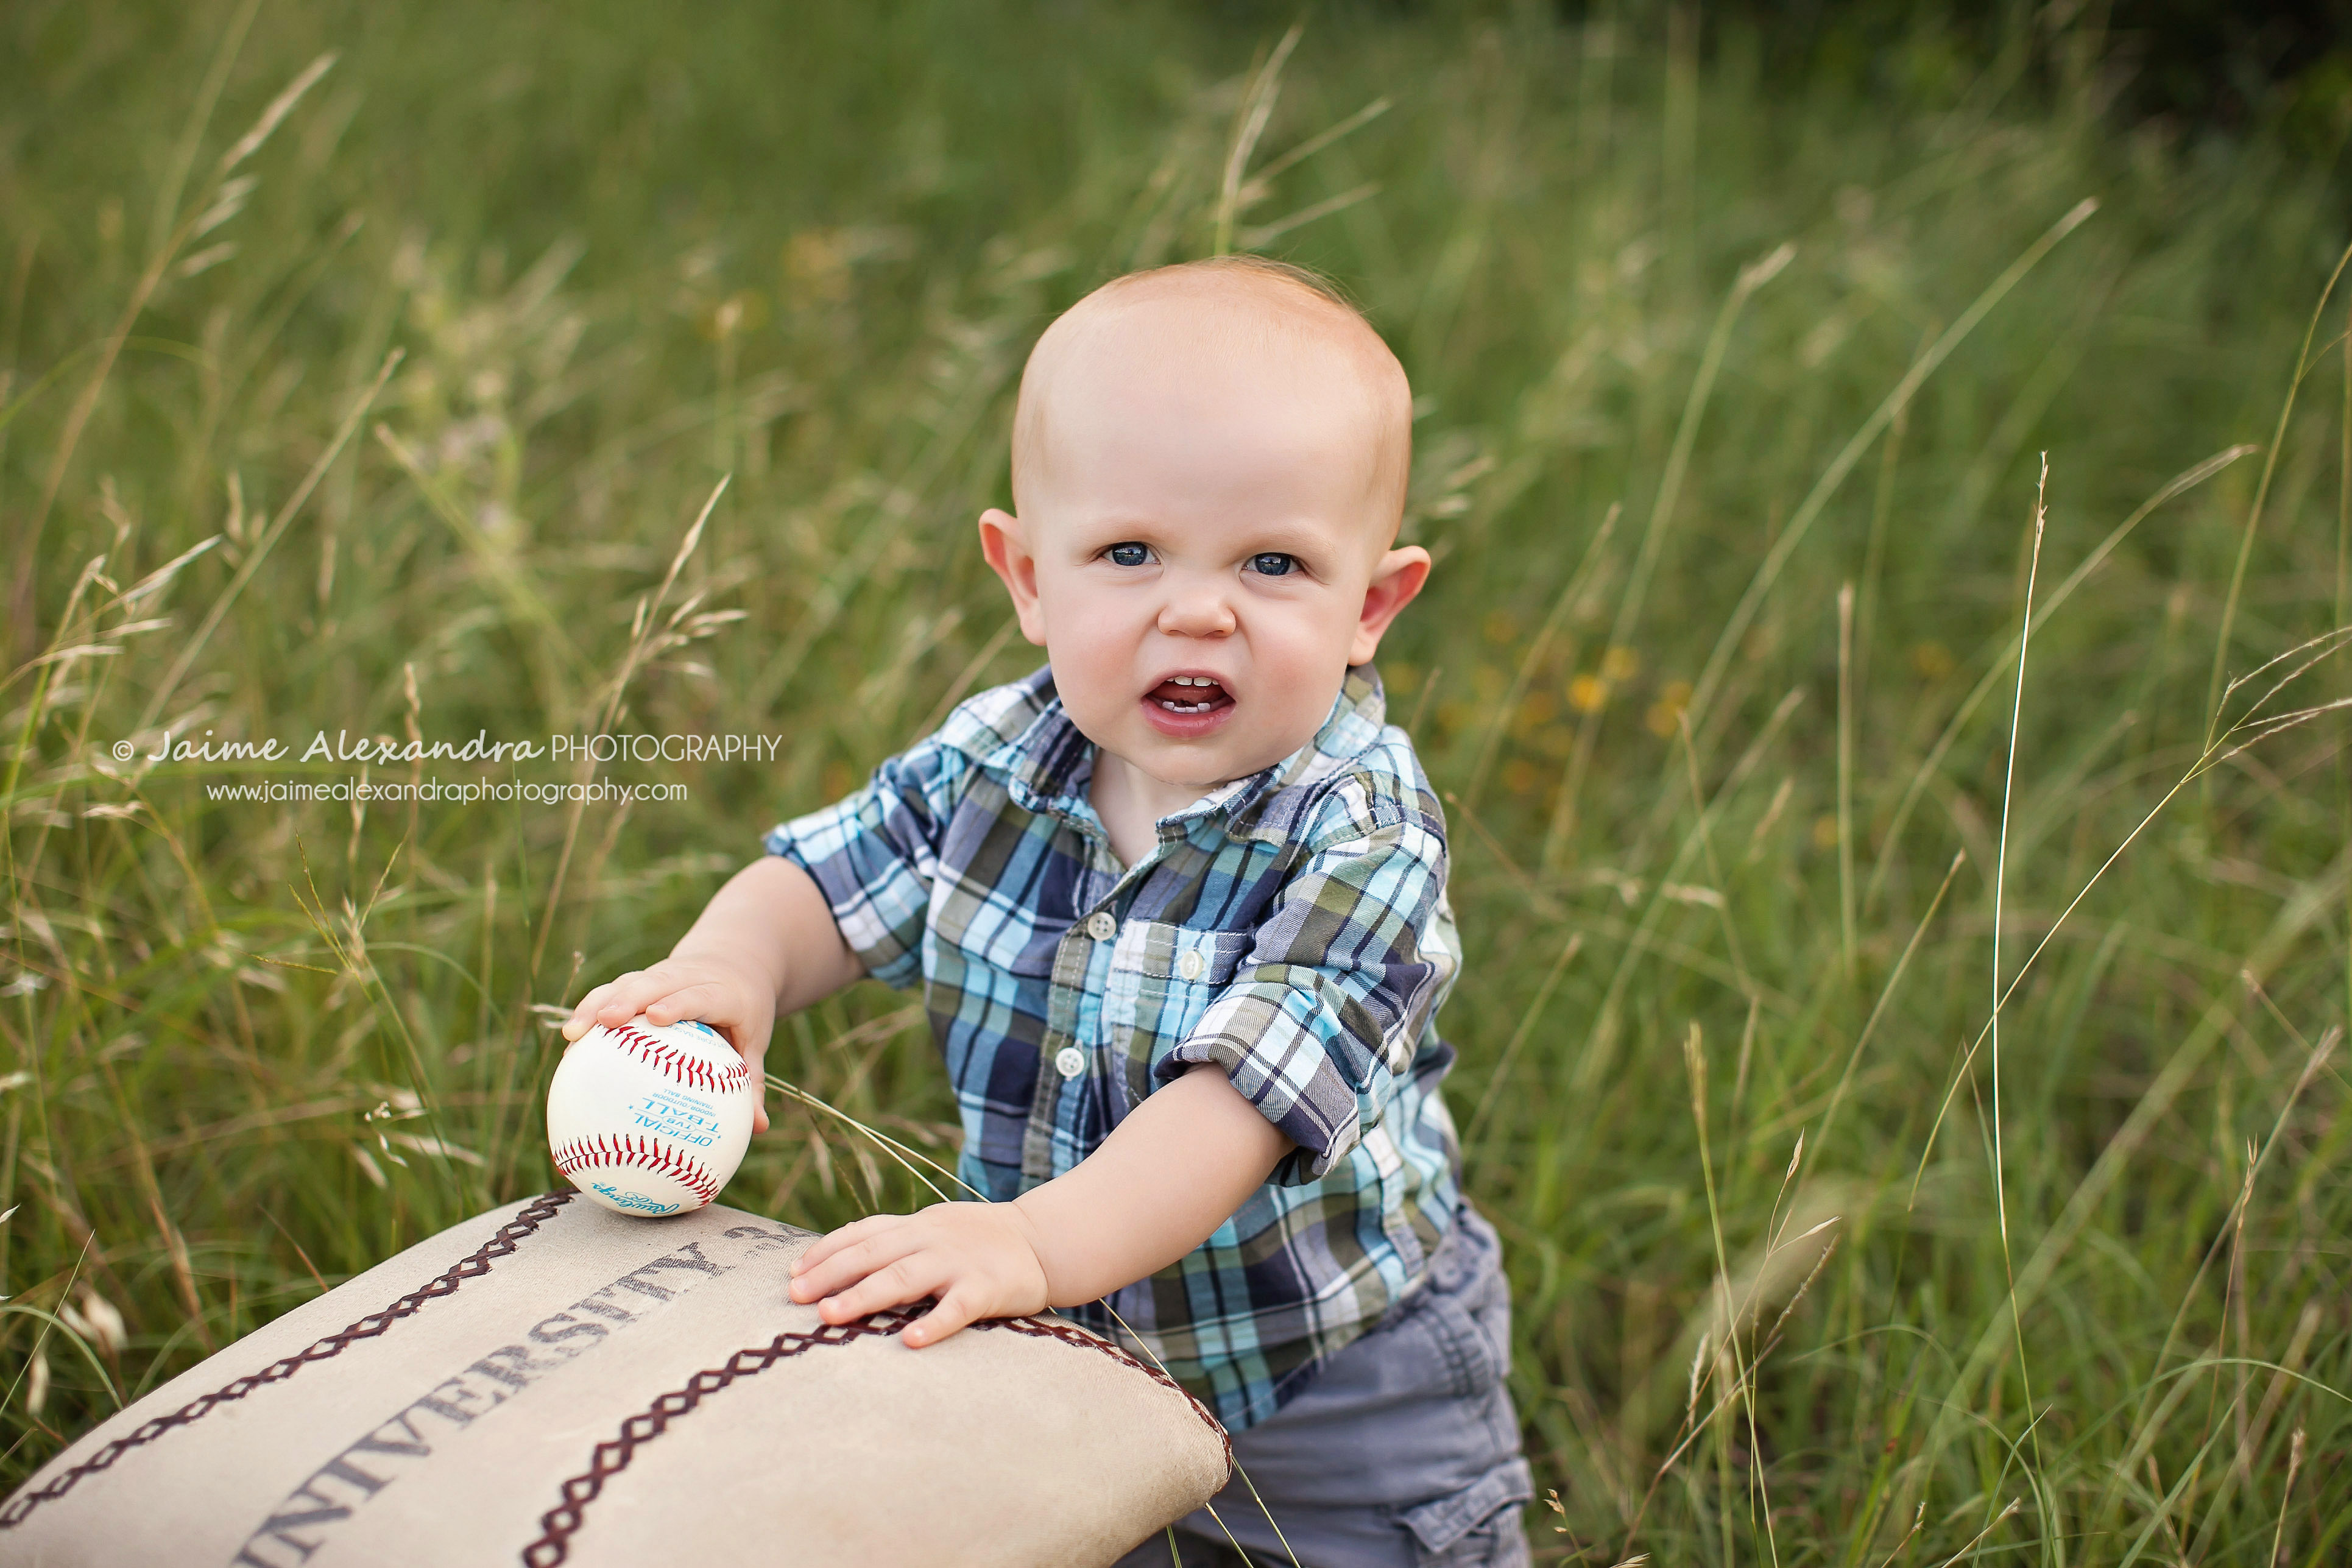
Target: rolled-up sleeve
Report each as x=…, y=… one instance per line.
x=1327, y=1007
x=875, y=855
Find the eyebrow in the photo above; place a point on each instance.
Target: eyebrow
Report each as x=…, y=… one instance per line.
x=1279, y=538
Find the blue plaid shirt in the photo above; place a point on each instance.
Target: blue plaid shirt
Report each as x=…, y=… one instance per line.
x=1290, y=927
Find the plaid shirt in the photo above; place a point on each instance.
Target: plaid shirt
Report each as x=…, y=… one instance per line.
x=1290, y=927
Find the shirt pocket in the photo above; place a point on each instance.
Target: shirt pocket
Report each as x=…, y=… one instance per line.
x=1162, y=979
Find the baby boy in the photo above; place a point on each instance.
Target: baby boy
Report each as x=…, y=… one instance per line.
x=1177, y=903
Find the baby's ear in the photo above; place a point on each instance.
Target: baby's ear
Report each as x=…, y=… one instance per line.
x=1395, y=580
x=1005, y=544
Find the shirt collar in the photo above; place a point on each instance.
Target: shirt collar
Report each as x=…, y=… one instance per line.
x=1048, y=764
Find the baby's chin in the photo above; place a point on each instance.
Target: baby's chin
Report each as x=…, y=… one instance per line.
x=1233, y=743
x=1198, y=766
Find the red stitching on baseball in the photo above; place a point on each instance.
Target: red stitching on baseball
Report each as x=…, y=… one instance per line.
x=686, y=1069
x=629, y=1149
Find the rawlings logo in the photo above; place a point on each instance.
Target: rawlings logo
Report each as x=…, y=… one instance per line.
x=720, y=1077
x=605, y=1151
x=636, y=1202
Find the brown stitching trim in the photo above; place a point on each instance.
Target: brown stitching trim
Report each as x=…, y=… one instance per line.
x=1071, y=1334
x=560, y=1523
x=688, y=1069
x=472, y=1267
x=629, y=1149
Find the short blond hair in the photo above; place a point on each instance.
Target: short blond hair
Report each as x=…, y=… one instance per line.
x=1285, y=306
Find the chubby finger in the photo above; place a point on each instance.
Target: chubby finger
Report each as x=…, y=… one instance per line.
x=826, y=1247
x=640, y=991
x=583, y=1011
x=956, y=1309
x=893, y=1285
x=616, y=1001
x=704, y=1000
x=847, y=1267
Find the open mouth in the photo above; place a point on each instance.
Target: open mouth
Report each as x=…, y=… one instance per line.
x=1189, y=694
x=1188, y=707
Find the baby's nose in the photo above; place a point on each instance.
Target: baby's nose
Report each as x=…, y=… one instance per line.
x=1196, y=610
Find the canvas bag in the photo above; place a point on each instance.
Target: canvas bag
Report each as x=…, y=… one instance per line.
x=550, y=1383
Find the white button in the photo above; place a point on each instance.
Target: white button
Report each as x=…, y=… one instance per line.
x=1189, y=963
x=1069, y=1061
x=1100, y=926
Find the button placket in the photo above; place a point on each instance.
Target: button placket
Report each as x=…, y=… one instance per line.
x=1100, y=927
x=1072, y=1016
x=1074, y=1006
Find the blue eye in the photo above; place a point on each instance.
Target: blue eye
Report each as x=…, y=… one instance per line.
x=1128, y=554
x=1273, y=563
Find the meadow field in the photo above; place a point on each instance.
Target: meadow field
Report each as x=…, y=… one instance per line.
x=1891, y=524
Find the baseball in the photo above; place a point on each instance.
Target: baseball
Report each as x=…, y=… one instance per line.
x=650, y=1119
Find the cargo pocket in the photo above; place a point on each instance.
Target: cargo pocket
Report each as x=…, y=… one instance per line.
x=1447, y=1528
x=1475, y=1354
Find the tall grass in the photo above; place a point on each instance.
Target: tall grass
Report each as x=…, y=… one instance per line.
x=373, y=370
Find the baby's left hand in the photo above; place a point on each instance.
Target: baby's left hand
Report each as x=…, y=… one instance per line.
x=979, y=1259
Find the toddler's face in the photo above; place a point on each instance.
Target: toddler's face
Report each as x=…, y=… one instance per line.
x=1202, y=556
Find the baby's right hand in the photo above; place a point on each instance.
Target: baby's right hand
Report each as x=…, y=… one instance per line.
x=738, y=1004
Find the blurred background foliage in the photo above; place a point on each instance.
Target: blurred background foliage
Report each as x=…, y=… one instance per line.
x=1738, y=338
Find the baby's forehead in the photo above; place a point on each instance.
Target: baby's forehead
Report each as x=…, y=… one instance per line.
x=1198, y=342
x=1202, y=341
x=1240, y=321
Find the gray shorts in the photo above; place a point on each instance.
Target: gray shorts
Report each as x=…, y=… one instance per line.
x=1403, y=1452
